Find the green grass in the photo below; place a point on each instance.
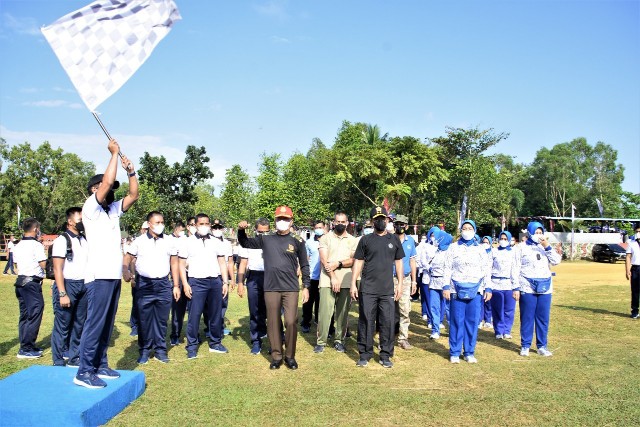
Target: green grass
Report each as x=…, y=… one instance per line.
x=593, y=377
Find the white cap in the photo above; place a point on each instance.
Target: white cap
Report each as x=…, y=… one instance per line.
x=145, y=225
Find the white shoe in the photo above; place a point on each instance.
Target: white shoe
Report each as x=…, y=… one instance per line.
x=499, y=337
x=429, y=326
x=544, y=352
x=524, y=352
x=507, y=336
x=442, y=326
x=454, y=359
x=481, y=325
x=425, y=317
x=434, y=336
x=471, y=359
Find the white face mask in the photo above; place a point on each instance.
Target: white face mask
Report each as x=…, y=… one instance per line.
x=486, y=245
x=318, y=231
x=504, y=243
x=181, y=233
x=217, y=233
x=158, y=229
x=390, y=227
x=468, y=234
x=192, y=229
x=638, y=235
x=282, y=225
x=535, y=238
x=203, y=230
x=367, y=230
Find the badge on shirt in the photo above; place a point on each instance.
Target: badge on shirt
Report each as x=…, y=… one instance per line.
x=290, y=248
x=390, y=245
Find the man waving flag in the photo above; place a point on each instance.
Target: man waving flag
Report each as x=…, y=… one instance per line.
x=101, y=45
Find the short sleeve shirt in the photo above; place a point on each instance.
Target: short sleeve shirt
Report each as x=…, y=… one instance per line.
x=73, y=269
x=202, y=256
x=255, y=262
x=102, y=228
x=153, y=255
x=633, y=248
x=28, y=254
x=338, y=248
x=314, y=257
x=379, y=254
x=409, y=247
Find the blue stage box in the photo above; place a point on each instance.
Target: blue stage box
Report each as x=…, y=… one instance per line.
x=46, y=395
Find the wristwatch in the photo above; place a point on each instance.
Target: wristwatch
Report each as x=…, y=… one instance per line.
x=339, y=264
x=62, y=294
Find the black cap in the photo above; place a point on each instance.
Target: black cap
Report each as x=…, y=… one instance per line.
x=378, y=211
x=217, y=223
x=96, y=179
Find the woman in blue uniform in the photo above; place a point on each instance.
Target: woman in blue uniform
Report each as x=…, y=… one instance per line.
x=486, y=318
x=424, y=260
x=468, y=282
x=535, y=257
x=504, y=281
x=438, y=305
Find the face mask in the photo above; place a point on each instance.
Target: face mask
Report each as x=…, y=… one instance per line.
x=181, y=233
x=468, y=234
x=638, y=235
x=504, y=243
x=367, y=230
x=340, y=228
x=400, y=230
x=282, y=225
x=80, y=227
x=513, y=243
x=535, y=238
x=192, y=229
x=319, y=232
x=390, y=227
x=158, y=229
x=380, y=224
x=217, y=233
x=203, y=230
x=485, y=245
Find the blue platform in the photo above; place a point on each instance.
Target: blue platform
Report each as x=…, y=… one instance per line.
x=46, y=395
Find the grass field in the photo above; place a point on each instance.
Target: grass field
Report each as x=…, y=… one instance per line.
x=593, y=377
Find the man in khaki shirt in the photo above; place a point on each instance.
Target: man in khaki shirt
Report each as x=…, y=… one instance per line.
x=336, y=256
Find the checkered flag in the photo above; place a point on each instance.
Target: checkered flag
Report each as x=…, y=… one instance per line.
x=101, y=45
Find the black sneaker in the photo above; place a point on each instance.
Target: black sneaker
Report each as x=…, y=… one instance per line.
x=89, y=380
x=73, y=363
x=361, y=363
x=318, y=349
x=339, y=347
x=161, y=357
x=386, y=363
x=635, y=316
x=143, y=359
x=305, y=329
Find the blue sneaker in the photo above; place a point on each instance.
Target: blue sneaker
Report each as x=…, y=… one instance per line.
x=175, y=341
x=107, y=374
x=89, y=380
x=29, y=354
x=73, y=363
x=134, y=332
x=161, y=357
x=218, y=348
x=143, y=359
x=192, y=355
x=255, y=348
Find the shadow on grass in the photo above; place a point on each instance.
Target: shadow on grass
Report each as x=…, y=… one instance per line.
x=593, y=310
x=129, y=359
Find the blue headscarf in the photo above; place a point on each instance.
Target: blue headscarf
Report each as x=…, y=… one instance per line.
x=531, y=229
x=431, y=231
x=490, y=242
x=443, y=240
x=472, y=242
x=508, y=236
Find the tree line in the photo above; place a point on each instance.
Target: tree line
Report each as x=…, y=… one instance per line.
x=425, y=179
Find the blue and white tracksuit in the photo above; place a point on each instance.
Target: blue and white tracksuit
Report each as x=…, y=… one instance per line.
x=504, y=281
x=424, y=260
x=438, y=305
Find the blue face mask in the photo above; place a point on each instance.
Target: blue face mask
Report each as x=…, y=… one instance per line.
x=319, y=232
x=367, y=230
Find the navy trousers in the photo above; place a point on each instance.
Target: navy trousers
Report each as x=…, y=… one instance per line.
x=382, y=308
x=257, y=307
x=102, y=304
x=31, y=305
x=535, y=309
x=463, y=324
x=205, y=291
x=9, y=265
x=134, y=318
x=178, y=309
x=154, y=303
x=68, y=322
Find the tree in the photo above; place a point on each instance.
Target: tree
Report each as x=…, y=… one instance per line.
x=269, y=182
x=44, y=182
x=236, y=199
x=303, y=189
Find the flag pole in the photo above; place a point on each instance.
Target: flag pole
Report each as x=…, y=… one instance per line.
x=104, y=129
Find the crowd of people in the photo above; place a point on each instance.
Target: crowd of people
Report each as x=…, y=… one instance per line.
x=469, y=281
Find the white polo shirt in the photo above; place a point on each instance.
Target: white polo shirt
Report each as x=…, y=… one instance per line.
x=178, y=242
x=255, y=262
x=228, y=249
x=202, y=256
x=74, y=269
x=104, y=258
x=153, y=255
x=633, y=248
x=28, y=254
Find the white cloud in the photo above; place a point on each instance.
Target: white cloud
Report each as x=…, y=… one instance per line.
x=29, y=90
x=27, y=26
x=273, y=8
x=280, y=40
x=52, y=103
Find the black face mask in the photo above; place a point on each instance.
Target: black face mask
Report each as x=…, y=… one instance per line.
x=340, y=228
x=380, y=224
x=80, y=227
x=399, y=230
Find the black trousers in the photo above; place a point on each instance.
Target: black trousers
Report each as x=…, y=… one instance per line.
x=635, y=288
x=382, y=308
x=310, y=308
x=31, y=304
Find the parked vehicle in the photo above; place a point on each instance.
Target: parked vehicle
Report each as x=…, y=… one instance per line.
x=608, y=252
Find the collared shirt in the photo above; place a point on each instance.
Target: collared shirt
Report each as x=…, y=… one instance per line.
x=312, y=246
x=339, y=248
x=533, y=262
x=409, y=247
x=504, y=270
x=255, y=261
x=467, y=264
x=202, y=255
x=633, y=248
x=153, y=255
x=178, y=242
x=73, y=269
x=28, y=254
x=436, y=269
x=102, y=228
x=10, y=247
x=426, y=255
x=379, y=254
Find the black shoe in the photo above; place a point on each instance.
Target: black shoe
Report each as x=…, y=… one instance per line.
x=305, y=329
x=339, y=347
x=275, y=364
x=291, y=363
x=635, y=316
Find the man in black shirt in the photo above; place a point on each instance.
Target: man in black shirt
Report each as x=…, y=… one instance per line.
x=375, y=257
x=282, y=253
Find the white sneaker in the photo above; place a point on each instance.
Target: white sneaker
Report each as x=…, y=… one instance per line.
x=454, y=359
x=425, y=317
x=499, y=337
x=507, y=336
x=429, y=326
x=471, y=359
x=434, y=336
x=544, y=352
x=442, y=326
x=481, y=325
x=524, y=352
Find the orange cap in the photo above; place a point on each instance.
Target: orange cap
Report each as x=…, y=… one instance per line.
x=283, y=211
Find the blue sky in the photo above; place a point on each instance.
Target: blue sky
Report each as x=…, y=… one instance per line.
x=246, y=77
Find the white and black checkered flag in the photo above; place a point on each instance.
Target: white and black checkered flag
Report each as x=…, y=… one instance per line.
x=101, y=45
